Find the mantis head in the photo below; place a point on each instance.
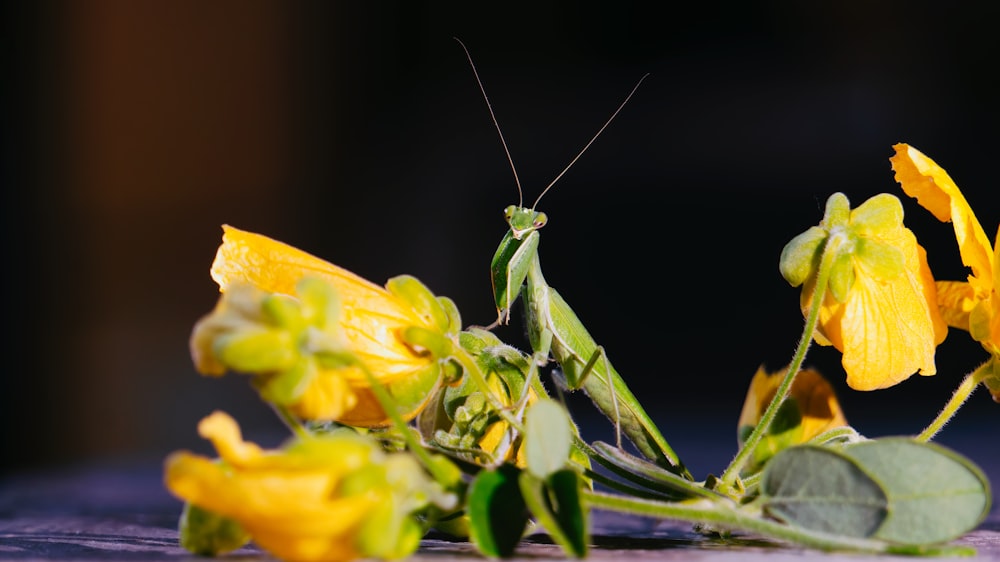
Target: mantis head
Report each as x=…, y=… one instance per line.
x=523, y=220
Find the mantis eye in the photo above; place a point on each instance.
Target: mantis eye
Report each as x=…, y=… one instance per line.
x=509, y=212
x=540, y=220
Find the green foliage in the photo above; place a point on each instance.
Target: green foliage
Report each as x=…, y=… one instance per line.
x=897, y=490
x=206, y=533
x=548, y=439
x=556, y=502
x=498, y=515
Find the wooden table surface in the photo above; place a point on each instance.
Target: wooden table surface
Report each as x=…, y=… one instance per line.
x=121, y=511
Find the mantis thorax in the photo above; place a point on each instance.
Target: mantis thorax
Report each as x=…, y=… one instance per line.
x=523, y=220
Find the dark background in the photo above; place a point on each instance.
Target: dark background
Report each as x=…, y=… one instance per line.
x=355, y=131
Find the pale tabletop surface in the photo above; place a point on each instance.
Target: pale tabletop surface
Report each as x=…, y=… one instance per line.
x=120, y=511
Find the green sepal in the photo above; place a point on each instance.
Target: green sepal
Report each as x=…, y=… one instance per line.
x=842, y=275
x=415, y=293
x=454, y=316
x=498, y=516
x=557, y=504
x=320, y=302
x=837, y=213
x=883, y=261
x=286, y=387
x=256, y=350
x=421, y=341
x=283, y=311
x=412, y=391
x=800, y=257
x=209, y=534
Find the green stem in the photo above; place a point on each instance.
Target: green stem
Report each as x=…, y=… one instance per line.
x=729, y=518
x=291, y=421
x=962, y=393
x=732, y=472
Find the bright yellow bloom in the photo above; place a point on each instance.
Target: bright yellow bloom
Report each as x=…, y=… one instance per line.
x=972, y=305
x=330, y=497
x=880, y=307
x=374, y=323
x=810, y=409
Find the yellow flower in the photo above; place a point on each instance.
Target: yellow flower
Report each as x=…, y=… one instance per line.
x=880, y=307
x=971, y=305
x=391, y=330
x=330, y=497
x=810, y=409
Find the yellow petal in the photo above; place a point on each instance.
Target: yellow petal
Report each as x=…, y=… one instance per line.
x=922, y=178
x=372, y=321
x=329, y=396
x=287, y=500
x=224, y=433
x=887, y=329
x=813, y=394
x=371, y=315
x=885, y=334
x=956, y=299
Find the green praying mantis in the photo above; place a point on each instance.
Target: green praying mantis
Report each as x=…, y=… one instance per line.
x=553, y=326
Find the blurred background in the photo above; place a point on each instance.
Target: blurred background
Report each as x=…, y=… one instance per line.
x=356, y=131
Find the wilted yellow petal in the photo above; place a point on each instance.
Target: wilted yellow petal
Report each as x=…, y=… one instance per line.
x=814, y=397
x=371, y=315
x=372, y=321
x=225, y=435
x=810, y=409
x=922, y=178
x=294, y=502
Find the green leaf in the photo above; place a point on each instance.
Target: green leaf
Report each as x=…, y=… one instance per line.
x=823, y=490
x=935, y=495
x=207, y=533
x=557, y=504
x=548, y=437
x=647, y=474
x=498, y=515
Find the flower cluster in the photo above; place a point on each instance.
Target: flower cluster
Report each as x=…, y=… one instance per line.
x=335, y=496
x=403, y=421
x=882, y=307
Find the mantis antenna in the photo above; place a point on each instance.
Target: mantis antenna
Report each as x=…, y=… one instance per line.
x=579, y=154
x=489, y=106
x=520, y=194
